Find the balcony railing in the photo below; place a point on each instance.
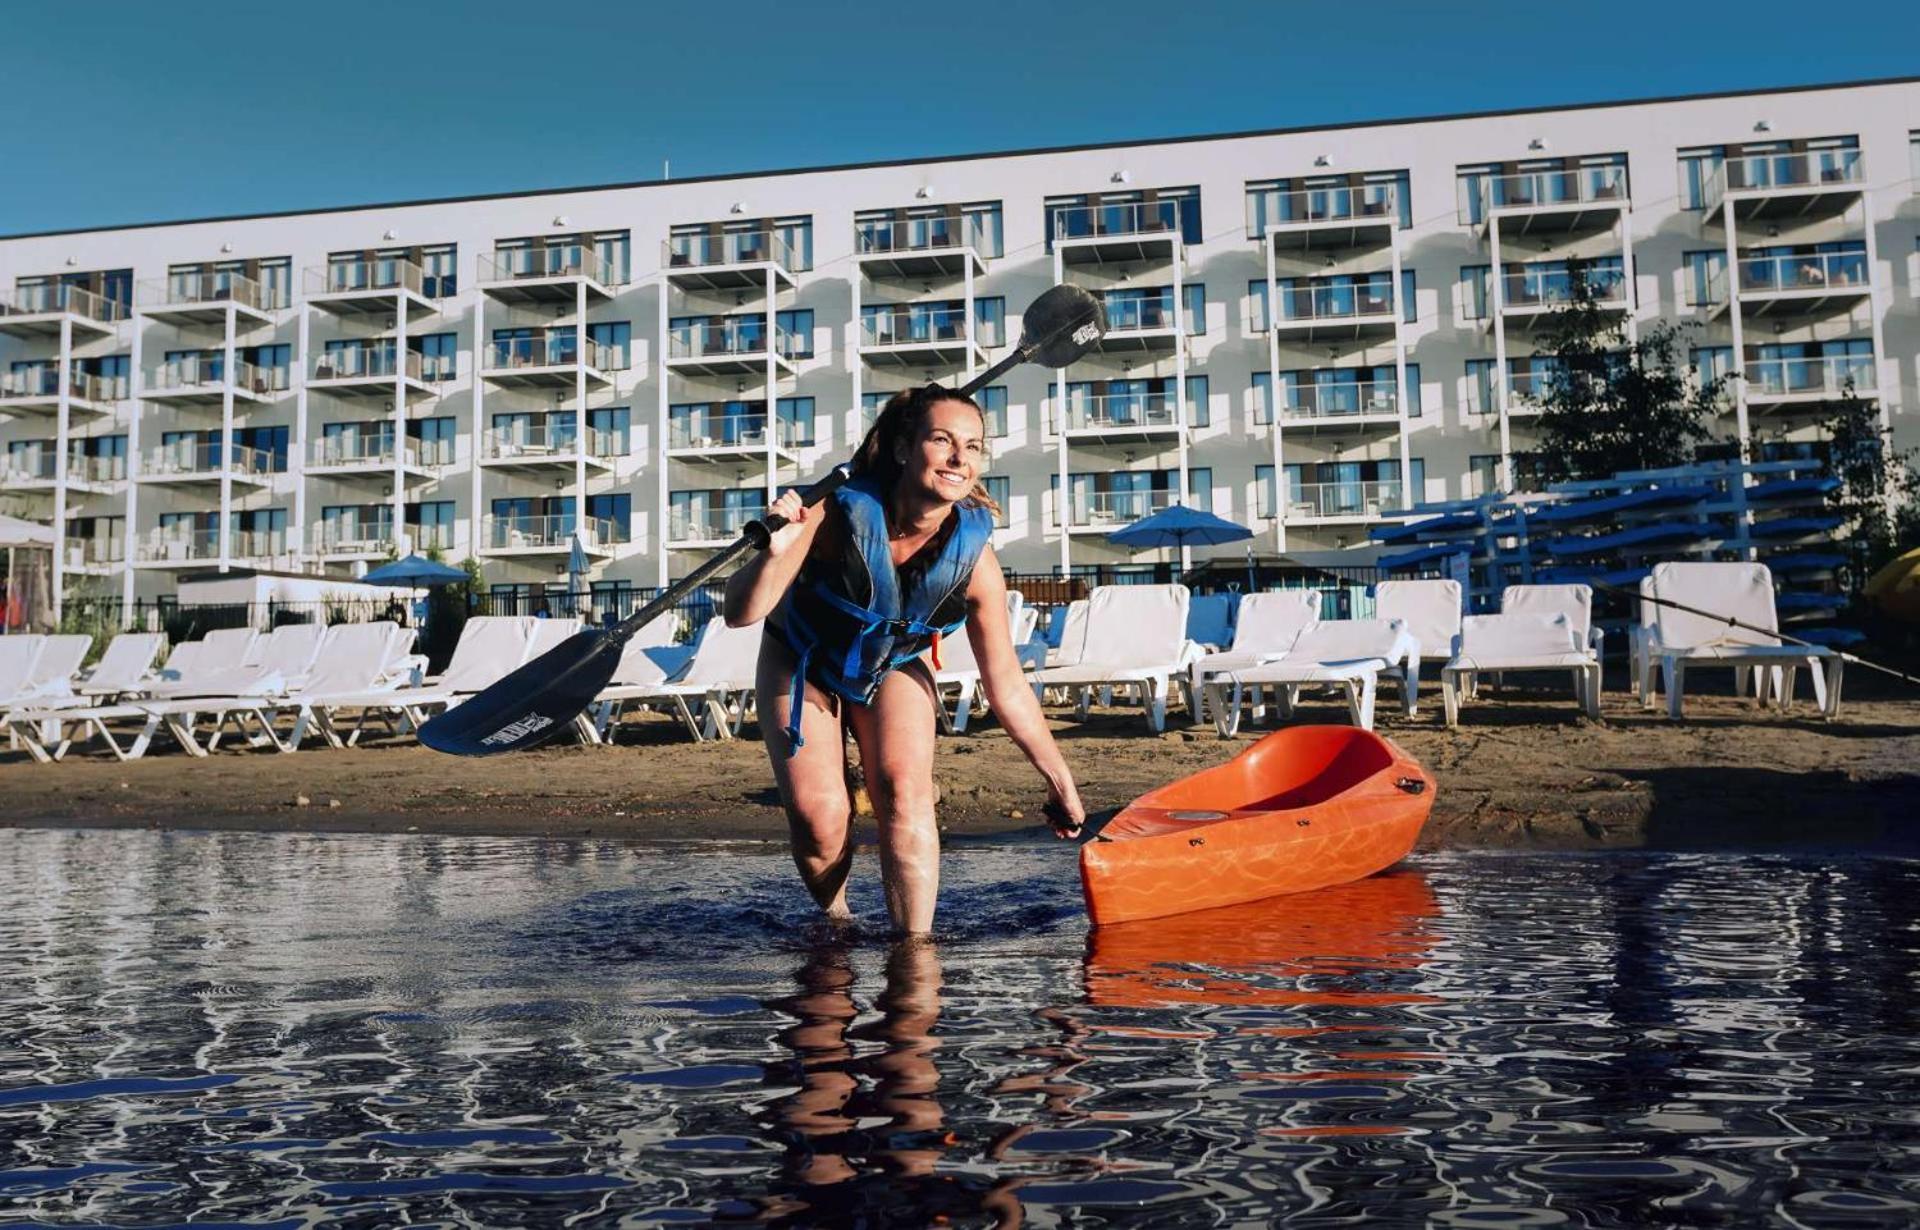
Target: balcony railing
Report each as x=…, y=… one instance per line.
x=178, y=545
x=1117, y=507
x=703, y=525
x=434, y=537
x=95, y=552
x=207, y=373
x=691, y=251
x=367, y=363
x=557, y=530
x=378, y=274
x=554, y=438
x=1119, y=219
x=1359, y=498
x=353, y=537
x=205, y=458
x=1546, y=189
x=1338, y=400
x=1137, y=315
x=1334, y=203
x=921, y=326
x=1532, y=286
x=39, y=465
x=375, y=448
x=42, y=298
x=211, y=289
x=1822, y=375
x=1087, y=412
x=507, y=354
x=45, y=382
x=572, y=260
x=1759, y=173
x=1318, y=303
x=930, y=234
x=726, y=431
x=1797, y=271
x=730, y=336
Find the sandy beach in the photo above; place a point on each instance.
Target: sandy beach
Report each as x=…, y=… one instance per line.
x=1524, y=771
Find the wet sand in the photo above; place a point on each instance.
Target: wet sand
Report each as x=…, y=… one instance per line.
x=1523, y=772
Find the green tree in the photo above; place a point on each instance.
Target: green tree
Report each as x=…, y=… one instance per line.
x=1611, y=403
x=1879, y=492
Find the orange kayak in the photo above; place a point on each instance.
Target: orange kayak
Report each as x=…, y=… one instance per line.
x=1303, y=808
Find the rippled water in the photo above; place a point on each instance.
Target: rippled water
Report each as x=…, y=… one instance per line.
x=297, y=1031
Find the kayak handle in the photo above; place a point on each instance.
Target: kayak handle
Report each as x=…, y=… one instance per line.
x=1412, y=785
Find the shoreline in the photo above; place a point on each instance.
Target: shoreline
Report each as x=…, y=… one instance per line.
x=1523, y=772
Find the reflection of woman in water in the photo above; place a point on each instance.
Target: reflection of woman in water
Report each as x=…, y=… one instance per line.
x=837, y=1171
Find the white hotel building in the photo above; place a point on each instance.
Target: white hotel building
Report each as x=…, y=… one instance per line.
x=642, y=366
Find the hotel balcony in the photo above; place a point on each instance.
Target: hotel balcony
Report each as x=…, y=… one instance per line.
x=916, y=248
x=1141, y=326
x=347, y=541
x=188, y=299
x=1788, y=385
x=1117, y=418
x=1103, y=512
x=728, y=438
x=1118, y=234
x=549, y=275
x=1353, y=406
x=36, y=390
x=1349, y=503
x=921, y=336
x=732, y=346
x=1790, y=188
x=541, y=363
x=37, y=311
x=550, y=445
x=1348, y=312
x=371, y=370
x=547, y=536
x=1524, y=384
x=1531, y=294
x=1566, y=201
x=201, y=381
x=1335, y=218
x=33, y=472
x=163, y=548
x=373, y=289
x=95, y=557
x=728, y=261
x=705, y=529
x=1795, y=284
x=369, y=456
x=201, y=464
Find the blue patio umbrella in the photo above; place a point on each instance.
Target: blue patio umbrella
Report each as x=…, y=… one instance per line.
x=1180, y=526
x=415, y=572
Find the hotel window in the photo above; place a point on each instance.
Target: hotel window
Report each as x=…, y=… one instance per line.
x=993, y=408
x=270, y=364
x=1272, y=202
x=113, y=370
x=797, y=325
x=1199, y=411
x=610, y=431
x=431, y=523
x=1124, y=213
x=1705, y=276
x=990, y=321
x=1000, y=491
x=1257, y=320
x=797, y=234
x=434, y=438
x=616, y=508
x=617, y=337
x=1483, y=473
x=1711, y=363
x=614, y=250
x=795, y=417
x=438, y=355
x=439, y=268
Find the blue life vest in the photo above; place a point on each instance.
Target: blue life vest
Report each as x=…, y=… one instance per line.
x=850, y=622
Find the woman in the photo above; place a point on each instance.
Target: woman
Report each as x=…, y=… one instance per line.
x=892, y=561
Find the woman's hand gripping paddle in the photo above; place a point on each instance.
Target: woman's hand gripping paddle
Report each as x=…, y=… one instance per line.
x=539, y=701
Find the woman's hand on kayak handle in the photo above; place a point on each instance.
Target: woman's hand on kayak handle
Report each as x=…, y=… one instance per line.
x=1063, y=810
x=789, y=506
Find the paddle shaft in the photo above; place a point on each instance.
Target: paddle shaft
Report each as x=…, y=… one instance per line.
x=1731, y=622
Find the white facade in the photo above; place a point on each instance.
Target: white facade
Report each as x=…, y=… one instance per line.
x=291, y=399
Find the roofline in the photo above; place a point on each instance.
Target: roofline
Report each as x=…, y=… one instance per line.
x=977, y=156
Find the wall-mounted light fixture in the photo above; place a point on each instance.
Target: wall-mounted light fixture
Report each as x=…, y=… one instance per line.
x=738, y=207
x=924, y=192
x=390, y=234
x=1323, y=160
x=561, y=220
x=226, y=247
x=1763, y=125
x=1121, y=177
x=1538, y=143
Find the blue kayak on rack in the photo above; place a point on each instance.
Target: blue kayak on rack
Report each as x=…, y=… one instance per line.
x=1664, y=534
x=1795, y=527
x=1576, y=511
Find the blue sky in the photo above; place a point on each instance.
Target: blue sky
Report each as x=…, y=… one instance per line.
x=123, y=112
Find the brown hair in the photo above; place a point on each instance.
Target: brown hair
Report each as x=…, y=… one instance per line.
x=900, y=419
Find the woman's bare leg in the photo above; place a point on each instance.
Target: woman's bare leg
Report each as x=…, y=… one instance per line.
x=812, y=782
x=896, y=736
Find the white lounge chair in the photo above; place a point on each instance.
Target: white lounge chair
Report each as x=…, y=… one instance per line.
x=1573, y=601
x=490, y=647
x=19, y=654
x=1430, y=609
x=357, y=659
x=719, y=680
x=126, y=667
x=1268, y=626
x=1351, y=654
x=1671, y=640
x=41, y=668
x=638, y=667
x=960, y=670
x=1073, y=636
x=278, y=663
x=294, y=658
x=1522, y=641
x=1135, y=634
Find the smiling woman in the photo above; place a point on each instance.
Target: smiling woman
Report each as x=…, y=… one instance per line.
x=854, y=593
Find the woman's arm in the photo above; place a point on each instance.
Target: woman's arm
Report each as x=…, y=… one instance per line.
x=757, y=587
x=1009, y=693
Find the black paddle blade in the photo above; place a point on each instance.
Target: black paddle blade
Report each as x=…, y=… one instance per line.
x=534, y=704
x=1062, y=324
